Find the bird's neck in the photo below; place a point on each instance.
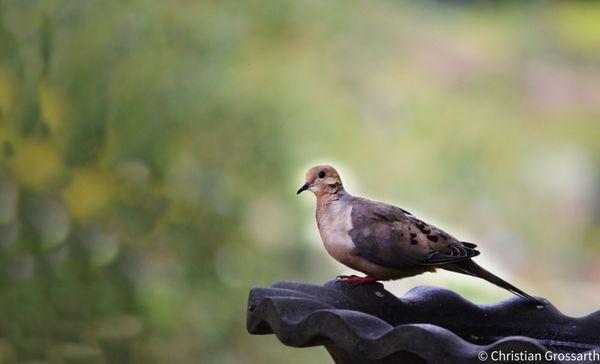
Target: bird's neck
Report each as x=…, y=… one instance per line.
x=324, y=199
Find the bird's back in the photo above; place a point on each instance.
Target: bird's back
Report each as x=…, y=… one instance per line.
x=393, y=237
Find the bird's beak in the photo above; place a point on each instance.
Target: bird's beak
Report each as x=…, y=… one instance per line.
x=303, y=188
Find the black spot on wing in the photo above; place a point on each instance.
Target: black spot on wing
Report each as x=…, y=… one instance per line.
x=420, y=224
x=423, y=227
x=433, y=238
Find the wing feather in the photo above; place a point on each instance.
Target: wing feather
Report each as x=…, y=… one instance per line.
x=391, y=237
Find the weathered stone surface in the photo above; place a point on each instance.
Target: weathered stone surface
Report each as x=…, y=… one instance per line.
x=367, y=324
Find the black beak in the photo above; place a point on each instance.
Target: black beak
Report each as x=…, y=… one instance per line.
x=303, y=188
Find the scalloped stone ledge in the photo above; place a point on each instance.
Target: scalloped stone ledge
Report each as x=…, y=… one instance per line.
x=367, y=324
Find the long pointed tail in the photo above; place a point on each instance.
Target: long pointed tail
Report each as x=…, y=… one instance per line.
x=471, y=268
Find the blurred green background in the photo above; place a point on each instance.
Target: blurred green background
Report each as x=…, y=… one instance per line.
x=150, y=152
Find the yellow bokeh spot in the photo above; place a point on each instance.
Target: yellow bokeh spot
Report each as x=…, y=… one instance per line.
x=577, y=25
x=53, y=106
x=37, y=163
x=89, y=193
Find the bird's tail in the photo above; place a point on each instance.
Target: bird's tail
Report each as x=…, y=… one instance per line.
x=471, y=268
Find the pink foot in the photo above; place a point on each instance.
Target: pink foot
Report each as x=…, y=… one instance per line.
x=357, y=281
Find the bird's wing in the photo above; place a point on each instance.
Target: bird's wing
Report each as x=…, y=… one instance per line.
x=392, y=237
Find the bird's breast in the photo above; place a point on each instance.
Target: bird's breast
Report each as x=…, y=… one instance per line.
x=335, y=222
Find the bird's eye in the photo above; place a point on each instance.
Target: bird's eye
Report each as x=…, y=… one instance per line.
x=322, y=174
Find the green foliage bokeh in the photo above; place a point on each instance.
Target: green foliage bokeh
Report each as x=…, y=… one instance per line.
x=149, y=152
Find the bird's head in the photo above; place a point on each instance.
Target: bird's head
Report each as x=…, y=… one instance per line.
x=322, y=180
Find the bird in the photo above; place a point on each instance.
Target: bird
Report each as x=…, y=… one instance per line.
x=386, y=242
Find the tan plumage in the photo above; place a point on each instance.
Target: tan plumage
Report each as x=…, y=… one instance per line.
x=383, y=241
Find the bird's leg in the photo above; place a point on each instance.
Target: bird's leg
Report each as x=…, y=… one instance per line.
x=357, y=281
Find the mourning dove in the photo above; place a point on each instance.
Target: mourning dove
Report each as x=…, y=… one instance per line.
x=386, y=242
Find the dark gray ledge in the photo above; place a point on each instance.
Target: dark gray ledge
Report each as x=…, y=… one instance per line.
x=367, y=324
